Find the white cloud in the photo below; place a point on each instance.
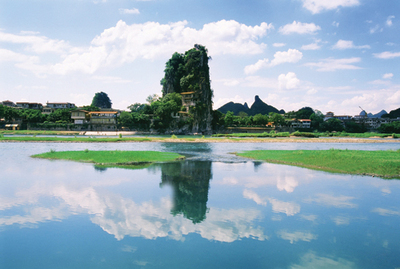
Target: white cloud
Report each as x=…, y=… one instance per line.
x=111, y=79
x=387, y=55
x=331, y=64
x=251, y=195
x=316, y=6
x=299, y=28
x=375, y=100
x=386, y=212
x=297, y=236
x=335, y=23
x=288, y=208
x=347, y=44
x=287, y=184
x=278, y=45
x=335, y=201
x=10, y=56
x=311, y=260
x=387, y=76
x=251, y=69
x=312, y=218
x=312, y=46
x=129, y=11
x=340, y=220
x=261, y=82
x=389, y=21
x=375, y=29
x=125, y=43
x=312, y=91
x=288, y=81
x=290, y=56
x=280, y=57
x=35, y=43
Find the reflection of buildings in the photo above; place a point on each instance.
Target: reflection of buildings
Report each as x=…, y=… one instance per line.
x=190, y=181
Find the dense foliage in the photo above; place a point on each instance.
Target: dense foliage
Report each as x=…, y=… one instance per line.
x=101, y=100
x=392, y=114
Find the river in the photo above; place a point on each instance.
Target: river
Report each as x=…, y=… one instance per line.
x=212, y=210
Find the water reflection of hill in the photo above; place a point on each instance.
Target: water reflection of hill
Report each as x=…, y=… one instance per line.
x=190, y=181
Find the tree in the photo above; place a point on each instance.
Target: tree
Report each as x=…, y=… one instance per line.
x=353, y=127
x=90, y=108
x=60, y=115
x=174, y=71
x=228, y=118
x=101, y=100
x=304, y=113
x=393, y=127
x=152, y=98
x=125, y=119
x=136, y=107
x=260, y=119
x=1, y=111
x=317, y=118
x=277, y=119
x=331, y=125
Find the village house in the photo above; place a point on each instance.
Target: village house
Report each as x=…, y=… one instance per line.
x=80, y=116
x=301, y=123
x=95, y=120
x=330, y=115
x=188, y=99
x=51, y=107
x=28, y=105
x=8, y=103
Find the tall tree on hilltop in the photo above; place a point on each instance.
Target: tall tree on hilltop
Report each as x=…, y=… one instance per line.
x=101, y=100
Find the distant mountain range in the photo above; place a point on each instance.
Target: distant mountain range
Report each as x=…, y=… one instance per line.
x=256, y=108
x=377, y=115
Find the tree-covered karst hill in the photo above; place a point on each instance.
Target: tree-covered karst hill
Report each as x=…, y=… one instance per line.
x=258, y=107
x=392, y=114
x=188, y=74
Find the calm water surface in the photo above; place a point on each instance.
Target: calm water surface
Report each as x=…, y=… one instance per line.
x=213, y=210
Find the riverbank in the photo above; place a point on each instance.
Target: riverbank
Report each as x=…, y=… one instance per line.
x=16, y=139
x=379, y=163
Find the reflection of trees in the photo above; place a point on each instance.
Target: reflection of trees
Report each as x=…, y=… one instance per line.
x=190, y=181
x=100, y=168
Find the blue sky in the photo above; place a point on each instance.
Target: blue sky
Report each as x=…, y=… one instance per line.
x=331, y=55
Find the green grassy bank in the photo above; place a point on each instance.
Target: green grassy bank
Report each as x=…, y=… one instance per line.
x=86, y=139
x=38, y=132
x=310, y=134
x=376, y=163
x=111, y=158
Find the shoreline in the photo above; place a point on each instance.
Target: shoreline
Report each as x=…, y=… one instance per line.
x=207, y=140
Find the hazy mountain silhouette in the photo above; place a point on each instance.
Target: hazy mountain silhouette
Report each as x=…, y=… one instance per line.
x=377, y=115
x=256, y=108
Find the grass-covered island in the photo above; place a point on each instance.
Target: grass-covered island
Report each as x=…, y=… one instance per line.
x=384, y=164
x=114, y=158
